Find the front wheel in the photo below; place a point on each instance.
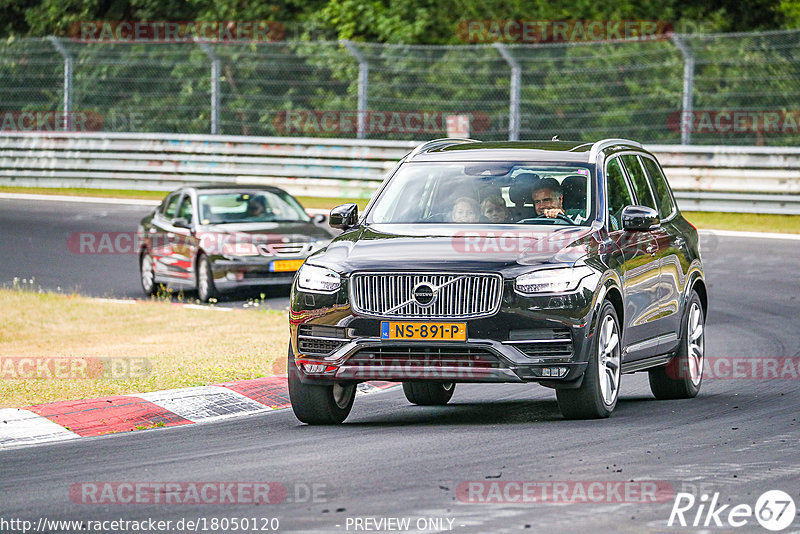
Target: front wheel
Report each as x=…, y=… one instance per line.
x=598, y=394
x=147, y=274
x=206, y=290
x=316, y=404
x=429, y=393
x=682, y=377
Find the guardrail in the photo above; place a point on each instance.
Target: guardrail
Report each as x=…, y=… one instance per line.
x=705, y=178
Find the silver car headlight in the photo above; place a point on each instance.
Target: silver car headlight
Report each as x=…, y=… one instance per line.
x=562, y=280
x=318, y=279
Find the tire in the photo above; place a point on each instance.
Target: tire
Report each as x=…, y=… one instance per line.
x=682, y=377
x=206, y=290
x=599, y=391
x=147, y=274
x=318, y=405
x=429, y=393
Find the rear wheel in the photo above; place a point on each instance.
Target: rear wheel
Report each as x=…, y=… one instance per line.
x=429, y=393
x=682, y=377
x=206, y=289
x=599, y=391
x=316, y=404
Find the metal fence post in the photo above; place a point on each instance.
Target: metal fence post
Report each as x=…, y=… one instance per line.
x=363, y=81
x=516, y=75
x=67, y=80
x=688, y=85
x=215, y=68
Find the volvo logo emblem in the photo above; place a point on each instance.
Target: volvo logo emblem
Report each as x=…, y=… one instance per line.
x=424, y=295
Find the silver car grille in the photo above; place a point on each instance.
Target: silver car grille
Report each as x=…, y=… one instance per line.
x=456, y=295
x=284, y=249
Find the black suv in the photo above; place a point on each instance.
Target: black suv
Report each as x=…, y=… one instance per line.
x=555, y=262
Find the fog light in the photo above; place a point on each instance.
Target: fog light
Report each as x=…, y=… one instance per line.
x=551, y=372
x=316, y=368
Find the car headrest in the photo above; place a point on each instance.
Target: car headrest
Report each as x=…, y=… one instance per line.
x=520, y=190
x=574, y=188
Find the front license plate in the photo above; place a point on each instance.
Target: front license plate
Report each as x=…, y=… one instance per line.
x=282, y=266
x=424, y=331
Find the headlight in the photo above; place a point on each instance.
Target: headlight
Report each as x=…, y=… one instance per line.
x=320, y=279
x=552, y=280
x=239, y=249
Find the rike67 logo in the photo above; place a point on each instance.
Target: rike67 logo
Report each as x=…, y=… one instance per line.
x=774, y=510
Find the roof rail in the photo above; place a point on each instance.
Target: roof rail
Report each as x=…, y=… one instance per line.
x=605, y=143
x=444, y=141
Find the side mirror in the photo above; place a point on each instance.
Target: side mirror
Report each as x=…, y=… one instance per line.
x=640, y=219
x=319, y=218
x=344, y=216
x=180, y=222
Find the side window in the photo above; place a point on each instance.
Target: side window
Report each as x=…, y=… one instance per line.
x=639, y=180
x=185, y=211
x=663, y=198
x=618, y=194
x=171, y=205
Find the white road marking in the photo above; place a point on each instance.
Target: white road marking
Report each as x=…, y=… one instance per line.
x=23, y=427
x=89, y=200
x=756, y=235
x=204, y=403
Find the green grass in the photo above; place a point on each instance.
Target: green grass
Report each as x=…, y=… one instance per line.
x=752, y=222
x=171, y=346
x=745, y=222
x=307, y=202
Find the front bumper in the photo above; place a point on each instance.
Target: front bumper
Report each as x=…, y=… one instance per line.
x=250, y=271
x=477, y=360
x=501, y=348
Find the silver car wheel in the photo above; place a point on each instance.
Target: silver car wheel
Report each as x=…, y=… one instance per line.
x=148, y=276
x=696, y=343
x=608, y=360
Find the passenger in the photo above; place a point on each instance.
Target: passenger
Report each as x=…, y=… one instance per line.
x=465, y=210
x=494, y=210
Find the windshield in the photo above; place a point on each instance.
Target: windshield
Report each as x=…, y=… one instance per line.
x=249, y=207
x=487, y=193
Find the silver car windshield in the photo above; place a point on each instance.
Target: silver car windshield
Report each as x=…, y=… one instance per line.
x=250, y=207
x=487, y=193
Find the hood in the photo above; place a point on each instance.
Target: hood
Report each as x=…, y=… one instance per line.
x=272, y=232
x=454, y=247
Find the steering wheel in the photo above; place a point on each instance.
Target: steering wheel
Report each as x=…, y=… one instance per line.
x=560, y=218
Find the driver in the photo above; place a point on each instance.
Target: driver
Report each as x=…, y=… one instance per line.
x=547, y=198
x=256, y=207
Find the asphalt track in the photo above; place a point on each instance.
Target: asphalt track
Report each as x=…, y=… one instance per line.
x=738, y=438
x=40, y=240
